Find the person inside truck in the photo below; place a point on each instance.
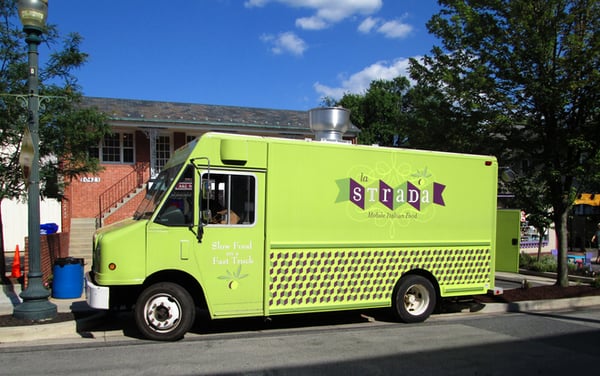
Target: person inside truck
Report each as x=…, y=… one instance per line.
x=220, y=214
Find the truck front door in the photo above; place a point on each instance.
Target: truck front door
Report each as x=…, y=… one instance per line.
x=231, y=255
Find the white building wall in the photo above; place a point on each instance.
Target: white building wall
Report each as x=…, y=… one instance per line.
x=14, y=220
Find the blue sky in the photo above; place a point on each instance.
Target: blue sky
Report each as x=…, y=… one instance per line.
x=281, y=54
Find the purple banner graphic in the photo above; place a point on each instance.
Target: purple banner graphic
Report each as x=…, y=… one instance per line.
x=392, y=197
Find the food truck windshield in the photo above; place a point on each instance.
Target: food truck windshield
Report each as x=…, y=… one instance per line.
x=156, y=192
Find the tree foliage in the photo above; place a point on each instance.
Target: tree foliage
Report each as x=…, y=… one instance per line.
x=436, y=121
x=379, y=113
x=67, y=130
x=530, y=67
x=392, y=113
x=532, y=198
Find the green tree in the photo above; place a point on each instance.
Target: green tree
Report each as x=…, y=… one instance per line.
x=392, y=113
x=436, y=121
x=379, y=113
x=532, y=198
x=67, y=130
x=531, y=65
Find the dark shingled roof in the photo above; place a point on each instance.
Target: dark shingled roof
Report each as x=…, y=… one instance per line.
x=204, y=116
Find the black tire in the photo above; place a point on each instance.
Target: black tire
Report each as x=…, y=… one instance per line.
x=164, y=312
x=414, y=299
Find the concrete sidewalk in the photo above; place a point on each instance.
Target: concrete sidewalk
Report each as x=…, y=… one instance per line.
x=40, y=333
x=84, y=329
x=9, y=298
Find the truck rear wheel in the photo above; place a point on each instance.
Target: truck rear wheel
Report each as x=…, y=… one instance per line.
x=165, y=312
x=414, y=299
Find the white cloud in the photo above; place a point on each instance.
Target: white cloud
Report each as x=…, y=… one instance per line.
x=255, y=3
x=327, y=12
x=390, y=29
x=359, y=82
x=367, y=25
x=287, y=42
x=395, y=29
x=311, y=23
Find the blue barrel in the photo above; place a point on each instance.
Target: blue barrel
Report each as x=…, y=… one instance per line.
x=67, y=282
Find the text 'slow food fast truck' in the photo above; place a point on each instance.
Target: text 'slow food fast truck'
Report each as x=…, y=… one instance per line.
x=256, y=226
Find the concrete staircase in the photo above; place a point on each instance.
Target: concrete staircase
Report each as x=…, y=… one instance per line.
x=82, y=229
x=81, y=235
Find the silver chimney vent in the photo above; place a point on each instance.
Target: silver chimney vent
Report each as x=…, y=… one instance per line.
x=329, y=123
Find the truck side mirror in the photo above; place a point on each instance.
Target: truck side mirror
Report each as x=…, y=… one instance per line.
x=198, y=234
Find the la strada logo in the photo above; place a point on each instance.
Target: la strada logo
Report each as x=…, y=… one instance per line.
x=418, y=193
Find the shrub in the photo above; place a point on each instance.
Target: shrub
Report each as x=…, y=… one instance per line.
x=573, y=268
x=525, y=260
x=545, y=264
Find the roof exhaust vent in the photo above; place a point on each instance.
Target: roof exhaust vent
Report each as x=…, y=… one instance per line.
x=329, y=123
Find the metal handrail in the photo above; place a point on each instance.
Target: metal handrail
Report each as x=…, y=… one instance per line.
x=121, y=189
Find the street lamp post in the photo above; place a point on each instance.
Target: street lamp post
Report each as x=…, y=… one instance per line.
x=36, y=305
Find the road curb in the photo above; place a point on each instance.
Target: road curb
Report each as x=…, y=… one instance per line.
x=27, y=333
x=553, y=276
x=554, y=305
x=542, y=305
x=72, y=329
x=84, y=328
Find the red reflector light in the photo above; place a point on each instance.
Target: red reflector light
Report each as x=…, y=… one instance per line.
x=488, y=163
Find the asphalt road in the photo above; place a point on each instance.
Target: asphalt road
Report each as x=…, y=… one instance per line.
x=455, y=344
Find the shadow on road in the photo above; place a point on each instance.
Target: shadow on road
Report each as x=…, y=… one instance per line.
x=124, y=321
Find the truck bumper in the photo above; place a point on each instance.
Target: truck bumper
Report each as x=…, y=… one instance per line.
x=96, y=296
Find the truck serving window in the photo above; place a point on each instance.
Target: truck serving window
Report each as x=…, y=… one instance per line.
x=178, y=209
x=231, y=199
x=156, y=192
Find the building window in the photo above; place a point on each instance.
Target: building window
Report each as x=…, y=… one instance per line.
x=111, y=148
x=115, y=148
x=127, y=147
x=163, y=151
x=189, y=138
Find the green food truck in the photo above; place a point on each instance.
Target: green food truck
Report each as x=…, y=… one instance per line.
x=257, y=226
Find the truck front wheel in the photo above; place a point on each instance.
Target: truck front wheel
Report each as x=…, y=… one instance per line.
x=414, y=299
x=165, y=312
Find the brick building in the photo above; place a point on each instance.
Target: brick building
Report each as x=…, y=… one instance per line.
x=145, y=134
